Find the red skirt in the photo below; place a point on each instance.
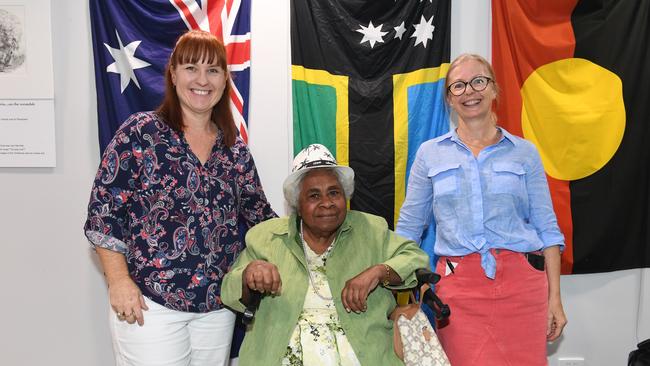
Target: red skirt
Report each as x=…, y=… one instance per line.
x=500, y=322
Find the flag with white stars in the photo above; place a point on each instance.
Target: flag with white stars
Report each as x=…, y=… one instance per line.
x=368, y=83
x=132, y=40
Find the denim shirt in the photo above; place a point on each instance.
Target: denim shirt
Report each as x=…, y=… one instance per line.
x=499, y=199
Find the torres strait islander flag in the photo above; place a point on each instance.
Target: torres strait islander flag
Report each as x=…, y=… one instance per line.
x=132, y=42
x=575, y=80
x=368, y=83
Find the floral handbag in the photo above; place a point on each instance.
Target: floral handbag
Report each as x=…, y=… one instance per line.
x=414, y=339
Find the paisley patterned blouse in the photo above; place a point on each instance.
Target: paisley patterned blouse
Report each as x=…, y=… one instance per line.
x=176, y=220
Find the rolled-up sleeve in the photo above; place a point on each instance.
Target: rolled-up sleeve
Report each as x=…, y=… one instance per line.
x=404, y=257
x=107, y=223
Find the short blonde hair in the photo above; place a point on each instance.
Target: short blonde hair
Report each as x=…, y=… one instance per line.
x=472, y=57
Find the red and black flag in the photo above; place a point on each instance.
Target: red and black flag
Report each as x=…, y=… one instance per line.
x=575, y=78
x=368, y=83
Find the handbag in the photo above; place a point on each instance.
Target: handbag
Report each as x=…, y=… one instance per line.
x=414, y=340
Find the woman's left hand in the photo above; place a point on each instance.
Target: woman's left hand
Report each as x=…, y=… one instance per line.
x=356, y=289
x=556, y=319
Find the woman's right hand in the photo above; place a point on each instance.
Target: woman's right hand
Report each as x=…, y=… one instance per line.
x=262, y=276
x=127, y=300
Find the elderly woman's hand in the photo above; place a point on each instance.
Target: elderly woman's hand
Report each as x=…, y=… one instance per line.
x=262, y=276
x=356, y=289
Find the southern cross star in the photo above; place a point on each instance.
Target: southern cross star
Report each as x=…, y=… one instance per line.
x=125, y=62
x=399, y=31
x=423, y=31
x=372, y=34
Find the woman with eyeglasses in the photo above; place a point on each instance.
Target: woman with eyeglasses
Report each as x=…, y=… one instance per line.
x=496, y=236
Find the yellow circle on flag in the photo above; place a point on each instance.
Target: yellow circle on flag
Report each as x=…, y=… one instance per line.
x=573, y=111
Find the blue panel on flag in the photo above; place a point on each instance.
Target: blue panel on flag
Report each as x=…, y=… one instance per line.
x=426, y=121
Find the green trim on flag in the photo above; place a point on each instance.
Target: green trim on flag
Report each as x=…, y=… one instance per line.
x=320, y=111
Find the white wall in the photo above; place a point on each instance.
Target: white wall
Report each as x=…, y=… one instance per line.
x=53, y=308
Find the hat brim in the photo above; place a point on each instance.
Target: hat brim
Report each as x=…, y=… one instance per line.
x=295, y=177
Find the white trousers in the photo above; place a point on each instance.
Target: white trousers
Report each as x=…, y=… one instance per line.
x=173, y=338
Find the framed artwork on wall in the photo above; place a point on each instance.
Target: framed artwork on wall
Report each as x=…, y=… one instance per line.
x=26, y=85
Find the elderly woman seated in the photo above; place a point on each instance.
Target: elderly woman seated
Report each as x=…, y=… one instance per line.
x=326, y=272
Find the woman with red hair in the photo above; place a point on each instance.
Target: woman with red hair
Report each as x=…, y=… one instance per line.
x=165, y=210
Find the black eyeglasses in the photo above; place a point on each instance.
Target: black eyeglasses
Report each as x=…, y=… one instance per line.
x=478, y=83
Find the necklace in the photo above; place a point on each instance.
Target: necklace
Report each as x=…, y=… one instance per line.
x=481, y=146
x=312, y=282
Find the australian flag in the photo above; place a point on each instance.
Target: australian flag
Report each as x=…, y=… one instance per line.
x=132, y=42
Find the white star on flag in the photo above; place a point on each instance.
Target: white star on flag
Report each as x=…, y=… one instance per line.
x=423, y=31
x=399, y=31
x=372, y=34
x=125, y=62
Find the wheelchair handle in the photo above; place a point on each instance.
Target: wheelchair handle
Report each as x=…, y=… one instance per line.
x=426, y=276
x=253, y=303
x=440, y=309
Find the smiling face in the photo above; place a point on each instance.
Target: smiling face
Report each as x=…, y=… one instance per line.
x=199, y=86
x=471, y=105
x=321, y=204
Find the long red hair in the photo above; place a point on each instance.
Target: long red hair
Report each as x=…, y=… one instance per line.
x=197, y=46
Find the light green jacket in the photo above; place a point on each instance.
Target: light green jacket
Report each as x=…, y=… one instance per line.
x=364, y=240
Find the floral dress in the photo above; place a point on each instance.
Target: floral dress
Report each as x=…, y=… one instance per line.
x=318, y=339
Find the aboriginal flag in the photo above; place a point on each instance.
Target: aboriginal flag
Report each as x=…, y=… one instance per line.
x=575, y=81
x=368, y=83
